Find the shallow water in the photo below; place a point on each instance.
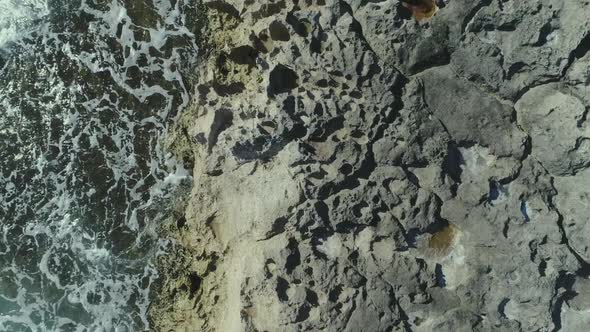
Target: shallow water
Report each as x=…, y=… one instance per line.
x=88, y=89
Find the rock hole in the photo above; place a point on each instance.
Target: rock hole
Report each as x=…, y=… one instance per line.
x=297, y=25
x=227, y=89
x=258, y=43
x=323, y=83
x=439, y=276
x=323, y=211
x=546, y=30
x=282, y=287
x=582, y=48
x=346, y=169
x=334, y=294
x=515, y=68
x=311, y=297
x=315, y=45
x=279, y=32
x=223, y=119
x=222, y=6
x=524, y=209
x=181, y=222
x=357, y=210
x=278, y=227
x=212, y=267
x=506, y=228
x=502, y=307
x=195, y=284
x=294, y=258
x=452, y=166
x=303, y=313
x=565, y=281
x=244, y=55
x=353, y=257
x=494, y=192
x=542, y=267
x=282, y=79
x=441, y=3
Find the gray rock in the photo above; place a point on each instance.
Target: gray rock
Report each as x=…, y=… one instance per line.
x=358, y=170
x=554, y=121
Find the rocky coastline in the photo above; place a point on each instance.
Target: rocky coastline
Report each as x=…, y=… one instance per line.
x=368, y=166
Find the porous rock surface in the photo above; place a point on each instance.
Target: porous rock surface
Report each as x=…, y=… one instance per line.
x=357, y=169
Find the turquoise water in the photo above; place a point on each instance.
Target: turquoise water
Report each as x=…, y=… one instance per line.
x=88, y=90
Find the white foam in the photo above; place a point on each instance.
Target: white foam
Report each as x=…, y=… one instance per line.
x=108, y=291
x=18, y=17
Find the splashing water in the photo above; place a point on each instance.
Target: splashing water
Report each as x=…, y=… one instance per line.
x=88, y=89
x=18, y=17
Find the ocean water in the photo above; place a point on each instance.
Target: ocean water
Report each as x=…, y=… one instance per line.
x=88, y=91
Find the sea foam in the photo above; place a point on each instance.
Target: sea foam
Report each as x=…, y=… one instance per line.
x=88, y=90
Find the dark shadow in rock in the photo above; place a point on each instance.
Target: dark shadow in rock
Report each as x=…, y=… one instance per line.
x=315, y=45
x=195, y=284
x=583, y=47
x=515, y=68
x=278, y=227
x=546, y=30
x=278, y=31
x=496, y=191
x=223, y=119
x=346, y=169
x=452, y=166
x=502, y=307
x=258, y=43
x=542, y=267
x=566, y=281
x=411, y=236
x=320, y=234
x=334, y=294
x=403, y=12
x=303, y=313
x=524, y=210
x=203, y=89
x=411, y=177
x=244, y=55
x=262, y=148
x=324, y=129
x=294, y=258
x=297, y=25
x=224, y=7
x=282, y=79
x=357, y=209
x=269, y=9
x=282, y=286
x=439, y=276
x=180, y=222
x=311, y=297
x=506, y=228
x=228, y=89
x=323, y=211
x=429, y=53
